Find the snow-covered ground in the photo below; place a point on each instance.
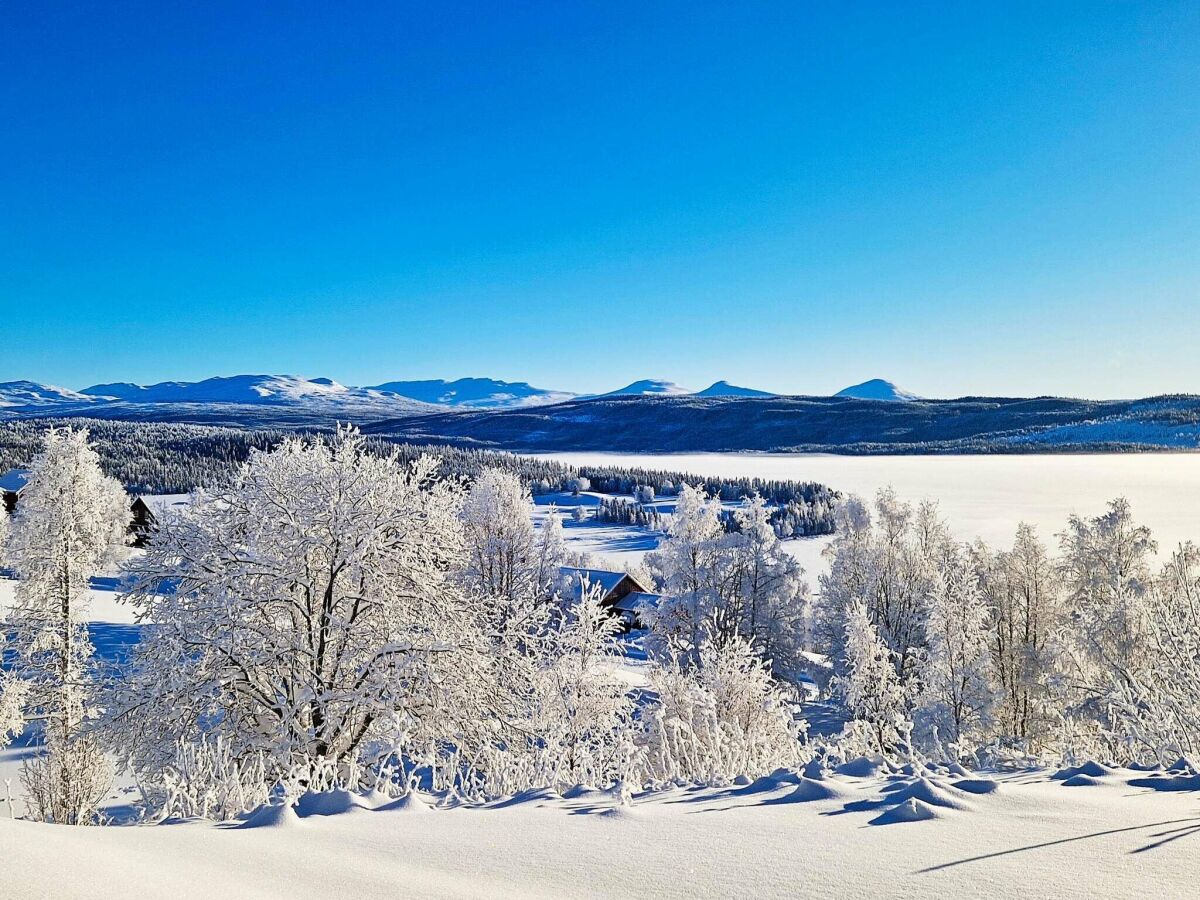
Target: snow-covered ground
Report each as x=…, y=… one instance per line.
x=1032, y=836
x=1103, y=833
x=981, y=495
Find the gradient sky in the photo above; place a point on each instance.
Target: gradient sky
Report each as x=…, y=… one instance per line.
x=964, y=198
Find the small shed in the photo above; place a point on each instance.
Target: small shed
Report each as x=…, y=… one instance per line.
x=621, y=593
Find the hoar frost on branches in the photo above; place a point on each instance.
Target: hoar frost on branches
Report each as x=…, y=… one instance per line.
x=720, y=587
x=72, y=520
x=720, y=719
x=311, y=613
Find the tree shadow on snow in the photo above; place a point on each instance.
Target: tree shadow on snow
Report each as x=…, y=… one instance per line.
x=1188, y=829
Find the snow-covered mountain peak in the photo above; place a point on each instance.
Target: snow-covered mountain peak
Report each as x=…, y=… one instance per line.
x=877, y=389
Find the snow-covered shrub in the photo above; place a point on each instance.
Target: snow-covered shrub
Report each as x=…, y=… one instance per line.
x=578, y=720
x=67, y=784
x=208, y=781
x=724, y=718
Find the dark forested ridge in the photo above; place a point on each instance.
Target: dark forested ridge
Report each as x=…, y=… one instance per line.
x=798, y=424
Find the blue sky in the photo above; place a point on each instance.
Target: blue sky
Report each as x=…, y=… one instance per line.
x=963, y=198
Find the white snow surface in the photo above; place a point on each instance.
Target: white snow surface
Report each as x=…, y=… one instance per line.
x=30, y=393
x=1031, y=837
x=980, y=495
x=877, y=389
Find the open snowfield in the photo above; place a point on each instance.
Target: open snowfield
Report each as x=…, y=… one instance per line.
x=980, y=495
x=1032, y=837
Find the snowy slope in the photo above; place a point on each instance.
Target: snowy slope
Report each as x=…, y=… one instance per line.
x=1032, y=836
x=877, y=389
x=32, y=394
x=648, y=387
x=475, y=393
x=319, y=397
x=725, y=389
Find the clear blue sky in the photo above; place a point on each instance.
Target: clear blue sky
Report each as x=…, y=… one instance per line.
x=964, y=198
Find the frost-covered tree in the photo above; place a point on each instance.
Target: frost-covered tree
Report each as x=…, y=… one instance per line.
x=887, y=562
x=312, y=612
x=873, y=691
x=771, y=596
x=506, y=557
x=72, y=520
x=723, y=718
x=957, y=691
x=691, y=572
x=1021, y=587
x=727, y=586
x=1105, y=566
x=1157, y=709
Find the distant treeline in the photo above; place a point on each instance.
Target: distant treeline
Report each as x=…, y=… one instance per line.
x=169, y=458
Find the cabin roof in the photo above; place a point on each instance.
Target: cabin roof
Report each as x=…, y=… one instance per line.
x=605, y=579
x=14, y=480
x=637, y=601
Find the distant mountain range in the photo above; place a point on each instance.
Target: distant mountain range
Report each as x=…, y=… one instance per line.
x=291, y=400
x=649, y=416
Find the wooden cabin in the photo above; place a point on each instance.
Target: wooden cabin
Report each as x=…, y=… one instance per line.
x=141, y=516
x=12, y=483
x=620, y=593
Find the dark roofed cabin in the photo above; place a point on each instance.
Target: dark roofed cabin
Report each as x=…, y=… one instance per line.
x=12, y=483
x=621, y=593
x=141, y=521
x=141, y=517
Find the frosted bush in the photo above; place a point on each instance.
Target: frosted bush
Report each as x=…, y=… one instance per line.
x=722, y=719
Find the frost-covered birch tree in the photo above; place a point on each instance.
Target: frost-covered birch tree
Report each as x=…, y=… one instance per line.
x=1157, y=710
x=957, y=692
x=771, y=594
x=873, y=691
x=688, y=568
x=312, y=612
x=1021, y=587
x=72, y=520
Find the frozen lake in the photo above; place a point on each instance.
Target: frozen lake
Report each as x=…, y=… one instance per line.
x=980, y=496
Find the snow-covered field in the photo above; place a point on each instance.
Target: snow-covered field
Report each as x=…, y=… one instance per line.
x=1033, y=836
x=980, y=495
x=1113, y=833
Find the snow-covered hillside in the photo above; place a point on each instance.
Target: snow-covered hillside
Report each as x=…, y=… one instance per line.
x=649, y=387
x=255, y=390
x=32, y=394
x=877, y=389
x=725, y=389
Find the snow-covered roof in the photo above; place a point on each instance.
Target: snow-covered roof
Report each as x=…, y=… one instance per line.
x=14, y=480
x=637, y=601
x=606, y=580
x=161, y=503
